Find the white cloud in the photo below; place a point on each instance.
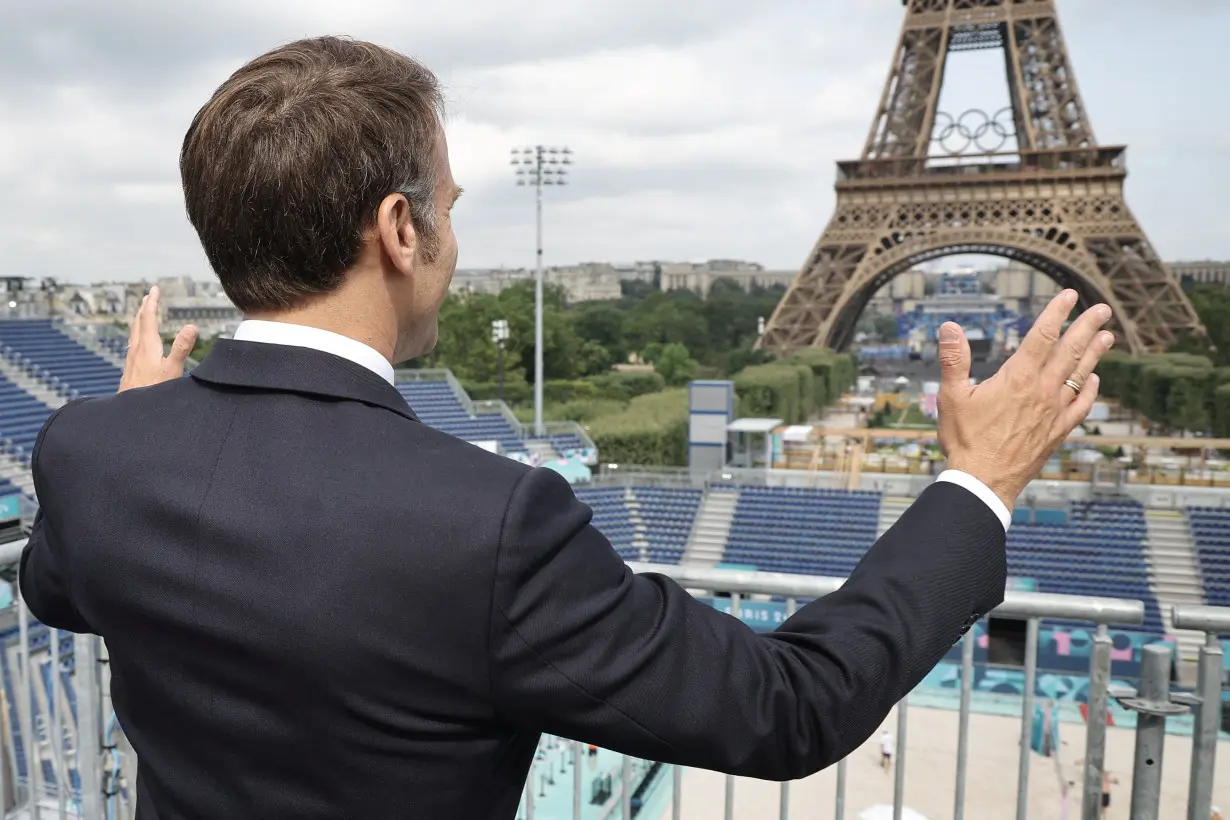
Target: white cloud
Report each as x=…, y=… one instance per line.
x=700, y=129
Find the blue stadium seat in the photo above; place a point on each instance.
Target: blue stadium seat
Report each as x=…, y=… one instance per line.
x=47, y=353
x=668, y=513
x=1099, y=552
x=612, y=517
x=437, y=405
x=21, y=417
x=1210, y=529
x=802, y=530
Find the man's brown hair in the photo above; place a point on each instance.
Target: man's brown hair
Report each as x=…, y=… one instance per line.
x=286, y=165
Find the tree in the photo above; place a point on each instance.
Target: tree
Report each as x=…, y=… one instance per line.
x=1221, y=411
x=1186, y=405
x=603, y=324
x=675, y=365
x=1212, y=304
x=592, y=359
x=886, y=327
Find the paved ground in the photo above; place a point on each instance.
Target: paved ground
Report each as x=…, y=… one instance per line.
x=931, y=772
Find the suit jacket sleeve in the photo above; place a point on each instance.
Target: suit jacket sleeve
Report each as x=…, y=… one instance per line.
x=45, y=564
x=583, y=648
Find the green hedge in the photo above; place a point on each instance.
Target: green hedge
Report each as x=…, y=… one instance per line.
x=580, y=410
x=562, y=390
x=779, y=390
x=516, y=391
x=625, y=386
x=651, y=430
x=1176, y=390
x=793, y=389
x=616, y=386
x=1221, y=411
x=834, y=372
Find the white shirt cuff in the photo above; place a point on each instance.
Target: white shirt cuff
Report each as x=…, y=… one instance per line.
x=982, y=491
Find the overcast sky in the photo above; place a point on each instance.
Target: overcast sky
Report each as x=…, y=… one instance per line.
x=701, y=130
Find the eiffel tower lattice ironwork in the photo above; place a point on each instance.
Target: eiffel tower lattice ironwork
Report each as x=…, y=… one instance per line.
x=1029, y=183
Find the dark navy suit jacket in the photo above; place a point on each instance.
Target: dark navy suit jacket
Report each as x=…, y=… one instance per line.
x=318, y=607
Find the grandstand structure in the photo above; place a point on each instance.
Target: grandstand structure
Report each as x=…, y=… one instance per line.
x=439, y=400
x=1160, y=548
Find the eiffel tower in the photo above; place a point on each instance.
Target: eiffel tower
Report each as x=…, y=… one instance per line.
x=1029, y=183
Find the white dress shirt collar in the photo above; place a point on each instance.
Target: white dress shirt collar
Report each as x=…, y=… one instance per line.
x=284, y=333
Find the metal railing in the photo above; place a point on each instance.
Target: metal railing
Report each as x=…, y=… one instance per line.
x=87, y=745
x=1153, y=702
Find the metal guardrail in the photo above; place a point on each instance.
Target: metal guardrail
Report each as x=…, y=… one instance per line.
x=95, y=764
x=10, y=553
x=1153, y=702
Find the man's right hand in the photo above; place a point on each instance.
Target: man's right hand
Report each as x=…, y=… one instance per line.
x=145, y=365
x=1003, y=430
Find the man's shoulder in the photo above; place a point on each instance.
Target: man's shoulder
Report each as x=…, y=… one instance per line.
x=166, y=411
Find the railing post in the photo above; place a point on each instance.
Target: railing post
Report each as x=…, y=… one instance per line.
x=1205, y=729
x=1027, y=716
x=899, y=774
x=677, y=795
x=576, y=780
x=25, y=711
x=1095, y=731
x=625, y=797
x=735, y=600
x=967, y=689
x=529, y=794
x=89, y=724
x=784, y=809
x=840, y=810
x=1152, y=706
x=58, y=765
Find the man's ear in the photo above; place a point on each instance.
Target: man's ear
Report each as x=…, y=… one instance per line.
x=395, y=232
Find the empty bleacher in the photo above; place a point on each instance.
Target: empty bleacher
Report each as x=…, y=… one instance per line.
x=435, y=402
x=668, y=514
x=612, y=518
x=655, y=519
x=1099, y=552
x=21, y=417
x=803, y=530
x=565, y=443
x=62, y=363
x=1210, y=529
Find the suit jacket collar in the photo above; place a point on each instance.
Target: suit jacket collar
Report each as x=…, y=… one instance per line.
x=297, y=370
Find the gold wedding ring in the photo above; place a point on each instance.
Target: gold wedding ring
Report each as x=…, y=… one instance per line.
x=1075, y=385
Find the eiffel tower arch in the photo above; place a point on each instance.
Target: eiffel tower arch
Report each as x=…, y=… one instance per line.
x=1029, y=182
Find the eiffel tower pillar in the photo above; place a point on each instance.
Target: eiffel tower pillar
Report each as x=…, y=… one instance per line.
x=1029, y=183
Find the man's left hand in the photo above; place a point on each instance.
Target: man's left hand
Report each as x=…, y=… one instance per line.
x=145, y=364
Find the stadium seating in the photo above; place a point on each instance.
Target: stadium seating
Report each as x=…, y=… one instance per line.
x=612, y=517
x=21, y=417
x=810, y=531
x=44, y=351
x=668, y=514
x=665, y=514
x=825, y=532
x=1100, y=551
x=437, y=405
x=1210, y=528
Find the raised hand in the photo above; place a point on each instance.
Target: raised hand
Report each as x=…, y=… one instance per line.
x=1003, y=430
x=145, y=365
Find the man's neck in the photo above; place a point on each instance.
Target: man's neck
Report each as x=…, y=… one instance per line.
x=378, y=338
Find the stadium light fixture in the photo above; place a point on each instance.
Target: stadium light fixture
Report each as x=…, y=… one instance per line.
x=537, y=166
x=499, y=335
